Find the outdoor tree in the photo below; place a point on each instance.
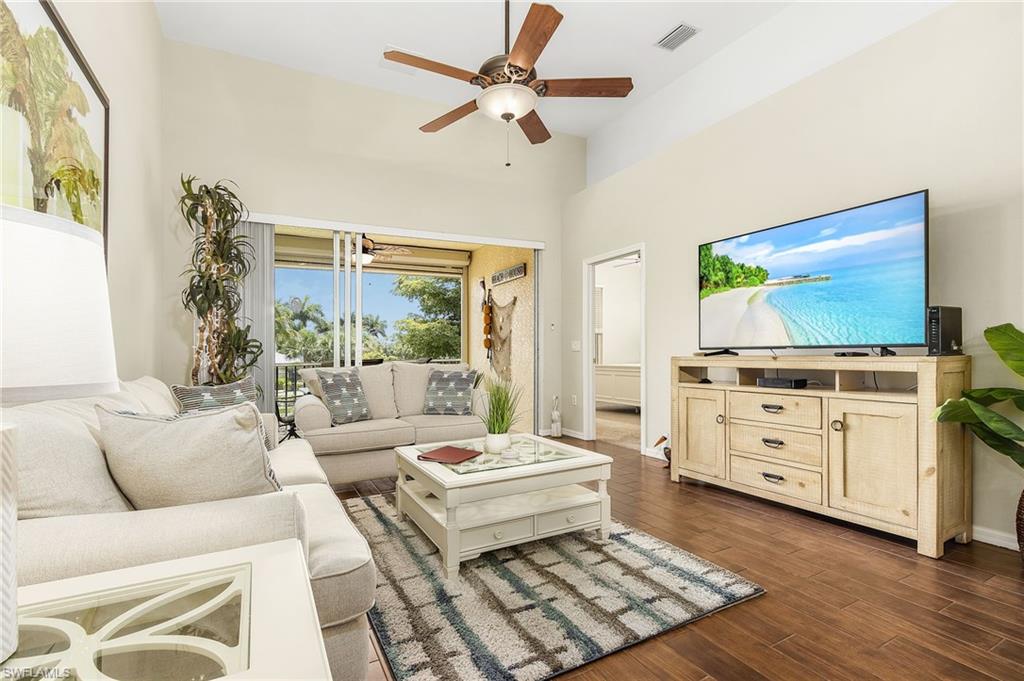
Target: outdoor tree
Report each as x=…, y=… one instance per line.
x=436, y=330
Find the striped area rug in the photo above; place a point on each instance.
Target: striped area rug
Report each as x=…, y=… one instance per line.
x=532, y=611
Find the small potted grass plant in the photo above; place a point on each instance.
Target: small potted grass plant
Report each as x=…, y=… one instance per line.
x=502, y=413
x=991, y=427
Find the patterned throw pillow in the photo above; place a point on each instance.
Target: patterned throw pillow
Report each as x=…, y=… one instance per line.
x=205, y=397
x=343, y=395
x=450, y=393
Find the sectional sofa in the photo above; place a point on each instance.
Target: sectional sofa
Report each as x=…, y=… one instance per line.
x=61, y=465
x=395, y=392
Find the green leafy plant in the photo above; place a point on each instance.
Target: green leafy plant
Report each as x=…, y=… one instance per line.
x=973, y=409
x=502, y=405
x=221, y=259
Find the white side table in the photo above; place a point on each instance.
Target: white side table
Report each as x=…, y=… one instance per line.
x=245, y=613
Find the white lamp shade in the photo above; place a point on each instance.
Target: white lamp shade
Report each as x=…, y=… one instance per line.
x=55, y=310
x=507, y=98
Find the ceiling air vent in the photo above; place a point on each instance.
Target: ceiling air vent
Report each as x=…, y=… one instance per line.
x=677, y=36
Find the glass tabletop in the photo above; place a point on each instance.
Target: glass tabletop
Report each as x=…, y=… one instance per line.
x=525, y=451
x=190, y=628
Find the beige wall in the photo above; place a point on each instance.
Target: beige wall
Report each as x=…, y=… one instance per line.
x=937, y=105
x=485, y=262
x=122, y=43
x=313, y=147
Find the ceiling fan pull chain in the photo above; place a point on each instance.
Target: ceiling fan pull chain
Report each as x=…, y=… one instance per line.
x=508, y=135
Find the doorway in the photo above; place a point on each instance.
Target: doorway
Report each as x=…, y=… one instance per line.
x=614, y=348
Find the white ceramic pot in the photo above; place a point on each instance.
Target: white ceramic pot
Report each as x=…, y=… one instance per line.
x=496, y=443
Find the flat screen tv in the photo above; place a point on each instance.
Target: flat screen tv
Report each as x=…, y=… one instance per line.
x=853, y=278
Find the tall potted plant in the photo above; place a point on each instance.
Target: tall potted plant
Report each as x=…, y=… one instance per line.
x=503, y=398
x=221, y=259
x=973, y=409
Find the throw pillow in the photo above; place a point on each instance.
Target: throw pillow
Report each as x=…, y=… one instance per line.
x=450, y=393
x=170, y=460
x=204, y=397
x=343, y=395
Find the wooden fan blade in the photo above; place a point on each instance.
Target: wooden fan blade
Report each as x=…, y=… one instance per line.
x=431, y=65
x=450, y=117
x=585, y=87
x=534, y=128
x=538, y=27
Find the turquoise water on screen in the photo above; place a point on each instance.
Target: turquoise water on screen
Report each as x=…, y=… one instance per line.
x=876, y=304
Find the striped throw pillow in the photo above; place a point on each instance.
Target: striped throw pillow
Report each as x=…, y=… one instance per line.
x=450, y=393
x=343, y=395
x=205, y=397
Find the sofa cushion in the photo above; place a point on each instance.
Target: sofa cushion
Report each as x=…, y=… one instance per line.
x=341, y=569
x=361, y=436
x=155, y=396
x=379, y=388
x=435, y=428
x=450, y=393
x=169, y=460
x=411, y=384
x=206, y=397
x=61, y=469
x=295, y=464
x=343, y=395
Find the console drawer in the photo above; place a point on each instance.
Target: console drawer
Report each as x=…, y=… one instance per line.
x=498, y=533
x=570, y=517
x=788, y=410
x=786, y=445
x=778, y=478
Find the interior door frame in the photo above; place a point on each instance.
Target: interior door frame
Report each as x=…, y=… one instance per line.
x=587, y=349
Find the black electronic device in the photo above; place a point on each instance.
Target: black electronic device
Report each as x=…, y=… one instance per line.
x=850, y=354
x=776, y=382
x=945, y=330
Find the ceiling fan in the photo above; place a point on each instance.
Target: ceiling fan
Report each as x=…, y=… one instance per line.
x=381, y=252
x=509, y=81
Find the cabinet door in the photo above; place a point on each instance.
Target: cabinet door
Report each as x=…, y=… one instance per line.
x=872, y=455
x=702, y=431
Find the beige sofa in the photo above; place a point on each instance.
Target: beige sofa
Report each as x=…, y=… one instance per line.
x=341, y=568
x=395, y=392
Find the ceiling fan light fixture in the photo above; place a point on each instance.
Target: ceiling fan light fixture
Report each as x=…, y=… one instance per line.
x=507, y=101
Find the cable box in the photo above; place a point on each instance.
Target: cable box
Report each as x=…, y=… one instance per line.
x=769, y=382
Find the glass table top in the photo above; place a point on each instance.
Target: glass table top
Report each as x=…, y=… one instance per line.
x=189, y=628
x=524, y=452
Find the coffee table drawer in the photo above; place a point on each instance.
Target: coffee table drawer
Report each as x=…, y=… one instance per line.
x=788, y=410
x=793, y=482
x=552, y=521
x=498, y=533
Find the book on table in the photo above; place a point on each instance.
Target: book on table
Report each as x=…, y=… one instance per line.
x=448, y=454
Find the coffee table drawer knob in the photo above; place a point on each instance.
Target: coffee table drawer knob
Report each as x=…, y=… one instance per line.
x=570, y=518
x=499, y=534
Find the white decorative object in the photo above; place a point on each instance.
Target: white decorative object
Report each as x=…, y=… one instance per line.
x=488, y=502
x=8, y=545
x=54, y=309
x=232, y=613
x=496, y=443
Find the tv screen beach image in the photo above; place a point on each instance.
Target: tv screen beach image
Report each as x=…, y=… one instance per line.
x=856, y=277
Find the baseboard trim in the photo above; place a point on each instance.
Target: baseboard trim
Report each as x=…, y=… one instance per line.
x=987, y=535
x=655, y=453
x=544, y=432
x=573, y=433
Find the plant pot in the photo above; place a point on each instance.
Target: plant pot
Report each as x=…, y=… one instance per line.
x=496, y=443
x=1020, y=526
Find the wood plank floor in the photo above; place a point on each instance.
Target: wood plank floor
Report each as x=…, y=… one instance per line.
x=841, y=602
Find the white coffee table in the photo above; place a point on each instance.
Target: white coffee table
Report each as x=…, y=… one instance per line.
x=245, y=613
x=488, y=503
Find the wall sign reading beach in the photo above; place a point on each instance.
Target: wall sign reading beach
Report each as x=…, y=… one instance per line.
x=856, y=277
x=54, y=119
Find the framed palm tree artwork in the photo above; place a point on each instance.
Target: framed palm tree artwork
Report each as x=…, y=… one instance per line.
x=55, y=120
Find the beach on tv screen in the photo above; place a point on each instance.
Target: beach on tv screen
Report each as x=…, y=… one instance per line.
x=856, y=277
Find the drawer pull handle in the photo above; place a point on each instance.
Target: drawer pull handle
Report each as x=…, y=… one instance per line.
x=772, y=408
x=773, y=478
x=772, y=442
x=570, y=518
x=837, y=425
x=499, y=534
x=719, y=419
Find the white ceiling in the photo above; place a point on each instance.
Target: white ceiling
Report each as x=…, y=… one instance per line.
x=345, y=40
